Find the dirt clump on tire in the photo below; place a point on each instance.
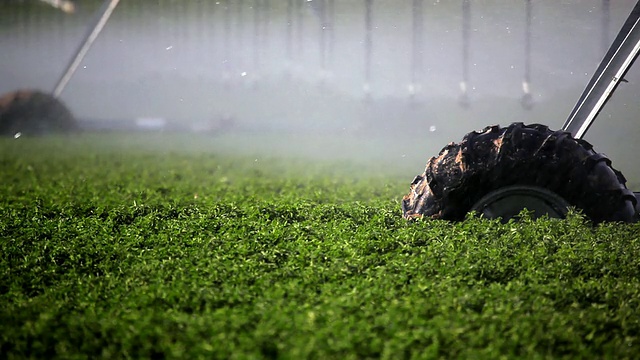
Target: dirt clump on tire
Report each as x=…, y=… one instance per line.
x=519, y=154
x=29, y=112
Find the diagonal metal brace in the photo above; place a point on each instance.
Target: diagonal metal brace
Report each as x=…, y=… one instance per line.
x=611, y=71
x=101, y=20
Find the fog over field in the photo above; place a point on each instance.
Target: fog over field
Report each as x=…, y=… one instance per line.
x=304, y=67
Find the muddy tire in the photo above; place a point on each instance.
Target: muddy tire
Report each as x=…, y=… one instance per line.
x=521, y=155
x=28, y=112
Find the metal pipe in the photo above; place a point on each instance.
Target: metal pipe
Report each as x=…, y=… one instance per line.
x=611, y=71
x=103, y=16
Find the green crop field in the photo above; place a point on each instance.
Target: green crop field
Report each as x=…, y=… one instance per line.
x=164, y=246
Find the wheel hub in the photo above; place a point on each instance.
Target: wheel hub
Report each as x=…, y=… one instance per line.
x=507, y=202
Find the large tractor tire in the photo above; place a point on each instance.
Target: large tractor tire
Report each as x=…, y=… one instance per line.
x=509, y=168
x=27, y=112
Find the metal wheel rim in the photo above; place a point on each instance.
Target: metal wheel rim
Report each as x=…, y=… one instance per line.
x=507, y=202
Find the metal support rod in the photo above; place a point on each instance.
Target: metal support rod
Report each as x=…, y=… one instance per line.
x=611, y=71
x=101, y=20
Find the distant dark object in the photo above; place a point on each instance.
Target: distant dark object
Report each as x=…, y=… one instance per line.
x=29, y=112
x=529, y=166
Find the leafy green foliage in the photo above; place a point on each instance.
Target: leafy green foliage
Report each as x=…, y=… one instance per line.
x=111, y=247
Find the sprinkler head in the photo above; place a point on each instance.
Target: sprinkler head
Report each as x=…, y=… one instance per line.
x=527, y=101
x=463, y=99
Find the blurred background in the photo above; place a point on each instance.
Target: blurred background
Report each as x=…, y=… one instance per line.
x=412, y=74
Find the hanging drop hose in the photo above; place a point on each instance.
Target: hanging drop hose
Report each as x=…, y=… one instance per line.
x=299, y=30
x=322, y=40
x=101, y=20
x=527, y=99
x=325, y=11
x=256, y=35
x=240, y=34
x=368, y=47
x=226, y=73
x=416, y=49
x=289, y=38
x=266, y=24
x=463, y=100
x=326, y=38
x=331, y=29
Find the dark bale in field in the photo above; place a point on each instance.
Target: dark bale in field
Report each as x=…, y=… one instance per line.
x=31, y=112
